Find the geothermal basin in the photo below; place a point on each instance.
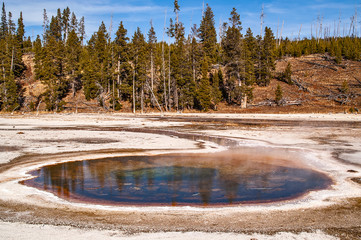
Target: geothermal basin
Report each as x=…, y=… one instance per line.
x=226, y=178
x=210, y=174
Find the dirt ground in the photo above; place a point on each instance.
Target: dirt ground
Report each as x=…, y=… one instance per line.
x=329, y=143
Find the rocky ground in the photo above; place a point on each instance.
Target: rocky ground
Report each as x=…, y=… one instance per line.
x=327, y=143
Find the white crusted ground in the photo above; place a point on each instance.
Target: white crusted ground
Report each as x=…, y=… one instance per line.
x=20, y=231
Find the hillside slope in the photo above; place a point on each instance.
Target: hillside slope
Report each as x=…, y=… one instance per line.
x=319, y=85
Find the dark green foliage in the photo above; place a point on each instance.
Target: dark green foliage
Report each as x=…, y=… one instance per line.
x=11, y=65
x=266, y=63
x=12, y=96
x=96, y=65
x=81, y=29
x=233, y=57
x=340, y=48
x=65, y=22
x=123, y=69
x=250, y=57
x=72, y=60
x=138, y=57
x=4, y=23
x=338, y=53
x=278, y=95
x=286, y=76
x=204, y=88
x=90, y=77
x=52, y=73
x=20, y=31
x=216, y=94
x=232, y=42
x=208, y=35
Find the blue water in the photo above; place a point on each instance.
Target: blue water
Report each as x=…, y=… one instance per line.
x=176, y=180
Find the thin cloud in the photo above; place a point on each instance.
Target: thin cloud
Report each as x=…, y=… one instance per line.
x=99, y=9
x=332, y=6
x=270, y=8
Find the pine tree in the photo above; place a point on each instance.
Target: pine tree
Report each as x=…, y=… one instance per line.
x=98, y=61
x=81, y=29
x=50, y=64
x=55, y=28
x=4, y=23
x=45, y=24
x=195, y=53
x=233, y=59
x=123, y=67
x=101, y=49
x=51, y=73
x=11, y=25
x=204, y=88
x=278, y=95
x=20, y=31
x=267, y=58
x=287, y=74
x=73, y=23
x=208, y=35
x=232, y=40
x=13, y=94
x=338, y=53
x=72, y=57
x=65, y=22
x=250, y=57
x=152, y=40
x=90, y=76
x=178, y=62
x=216, y=94
x=140, y=67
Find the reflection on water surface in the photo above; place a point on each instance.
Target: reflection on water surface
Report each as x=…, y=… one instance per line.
x=208, y=179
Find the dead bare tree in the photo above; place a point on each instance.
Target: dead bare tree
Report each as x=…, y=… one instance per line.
x=299, y=34
x=262, y=20
x=280, y=37
x=163, y=65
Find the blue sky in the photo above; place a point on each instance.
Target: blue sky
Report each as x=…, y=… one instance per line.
x=136, y=13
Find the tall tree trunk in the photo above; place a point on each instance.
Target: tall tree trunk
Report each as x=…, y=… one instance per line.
x=163, y=64
x=152, y=70
x=169, y=96
x=164, y=79
x=156, y=101
x=118, y=80
x=4, y=84
x=244, y=102
x=73, y=84
x=133, y=91
x=142, y=99
x=152, y=76
x=113, y=94
x=12, y=60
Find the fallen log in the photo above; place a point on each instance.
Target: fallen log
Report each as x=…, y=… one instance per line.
x=358, y=80
x=283, y=102
x=320, y=65
x=299, y=84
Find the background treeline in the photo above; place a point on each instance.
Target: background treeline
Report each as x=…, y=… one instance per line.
x=191, y=71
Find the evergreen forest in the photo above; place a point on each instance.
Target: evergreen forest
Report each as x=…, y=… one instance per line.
x=195, y=70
